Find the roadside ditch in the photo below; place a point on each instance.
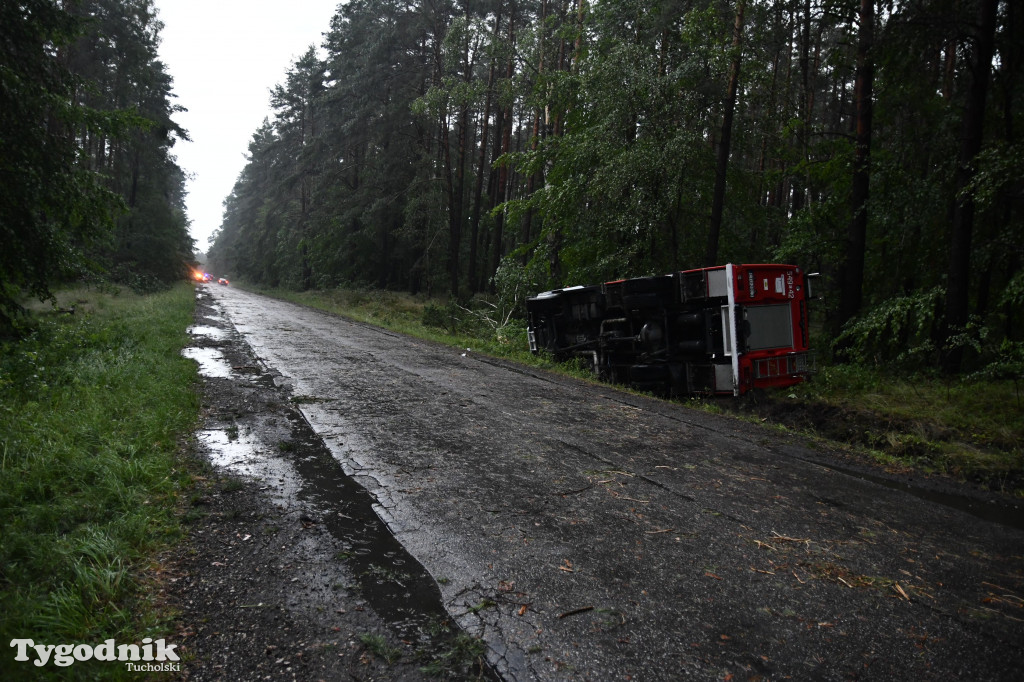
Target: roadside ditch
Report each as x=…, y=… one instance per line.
x=288, y=570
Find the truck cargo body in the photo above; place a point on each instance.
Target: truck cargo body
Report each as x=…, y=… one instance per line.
x=718, y=330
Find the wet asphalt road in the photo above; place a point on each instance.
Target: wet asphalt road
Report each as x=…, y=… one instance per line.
x=588, y=534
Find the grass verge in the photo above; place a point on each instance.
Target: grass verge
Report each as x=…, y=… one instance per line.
x=969, y=430
x=93, y=409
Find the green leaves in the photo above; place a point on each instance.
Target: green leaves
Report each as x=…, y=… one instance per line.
x=581, y=142
x=86, y=177
x=997, y=175
x=899, y=331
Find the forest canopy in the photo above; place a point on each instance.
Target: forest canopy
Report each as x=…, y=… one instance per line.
x=90, y=188
x=430, y=146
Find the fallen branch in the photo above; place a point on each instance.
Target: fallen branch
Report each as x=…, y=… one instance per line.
x=631, y=499
x=576, y=611
x=1007, y=598
x=785, y=538
x=575, y=492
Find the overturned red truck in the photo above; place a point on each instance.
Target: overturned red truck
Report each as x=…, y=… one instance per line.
x=719, y=330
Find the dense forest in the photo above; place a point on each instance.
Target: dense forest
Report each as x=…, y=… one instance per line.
x=457, y=147
x=90, y=189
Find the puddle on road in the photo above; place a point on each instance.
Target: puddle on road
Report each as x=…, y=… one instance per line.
x=212, y=362
x=236, y=453
x=244, y=455
x=297, y=471
x=209, y=332
x=213, y=316
x=391, y=581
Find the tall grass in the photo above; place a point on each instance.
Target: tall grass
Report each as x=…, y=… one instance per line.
x=969, y=427
x=93, y=407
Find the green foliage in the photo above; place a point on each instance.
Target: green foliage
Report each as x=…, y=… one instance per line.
x=85, y=130
x=92, y=408
x=464, y=654
x=446, y=317
x=378, y=645
x=897, y=332
x=1013, y=295
x=969, y=428
x=1006, y=365
x=998, y=174
x=807, y=237
x=900, y=334
x=439, y=147
x=50, y=204
x=513, y=284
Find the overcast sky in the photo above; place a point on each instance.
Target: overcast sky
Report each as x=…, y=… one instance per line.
x=224, y=57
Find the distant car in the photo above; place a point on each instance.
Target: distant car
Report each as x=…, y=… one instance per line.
x=222, y=281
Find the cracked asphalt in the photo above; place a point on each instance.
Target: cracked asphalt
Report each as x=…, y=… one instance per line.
x=586, y=533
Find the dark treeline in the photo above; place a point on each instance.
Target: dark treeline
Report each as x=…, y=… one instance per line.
x=443, y=147
x=89, y=186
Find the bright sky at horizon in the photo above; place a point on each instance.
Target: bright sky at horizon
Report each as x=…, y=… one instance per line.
x=224, y=57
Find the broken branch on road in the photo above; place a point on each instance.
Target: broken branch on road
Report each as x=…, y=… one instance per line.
x=574, y=612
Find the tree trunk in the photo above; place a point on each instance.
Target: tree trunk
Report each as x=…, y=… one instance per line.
x=852, y=273
x=482, y=167
x=958, y=283
x=536, y=179
x=502, y=187
x=718, y=199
